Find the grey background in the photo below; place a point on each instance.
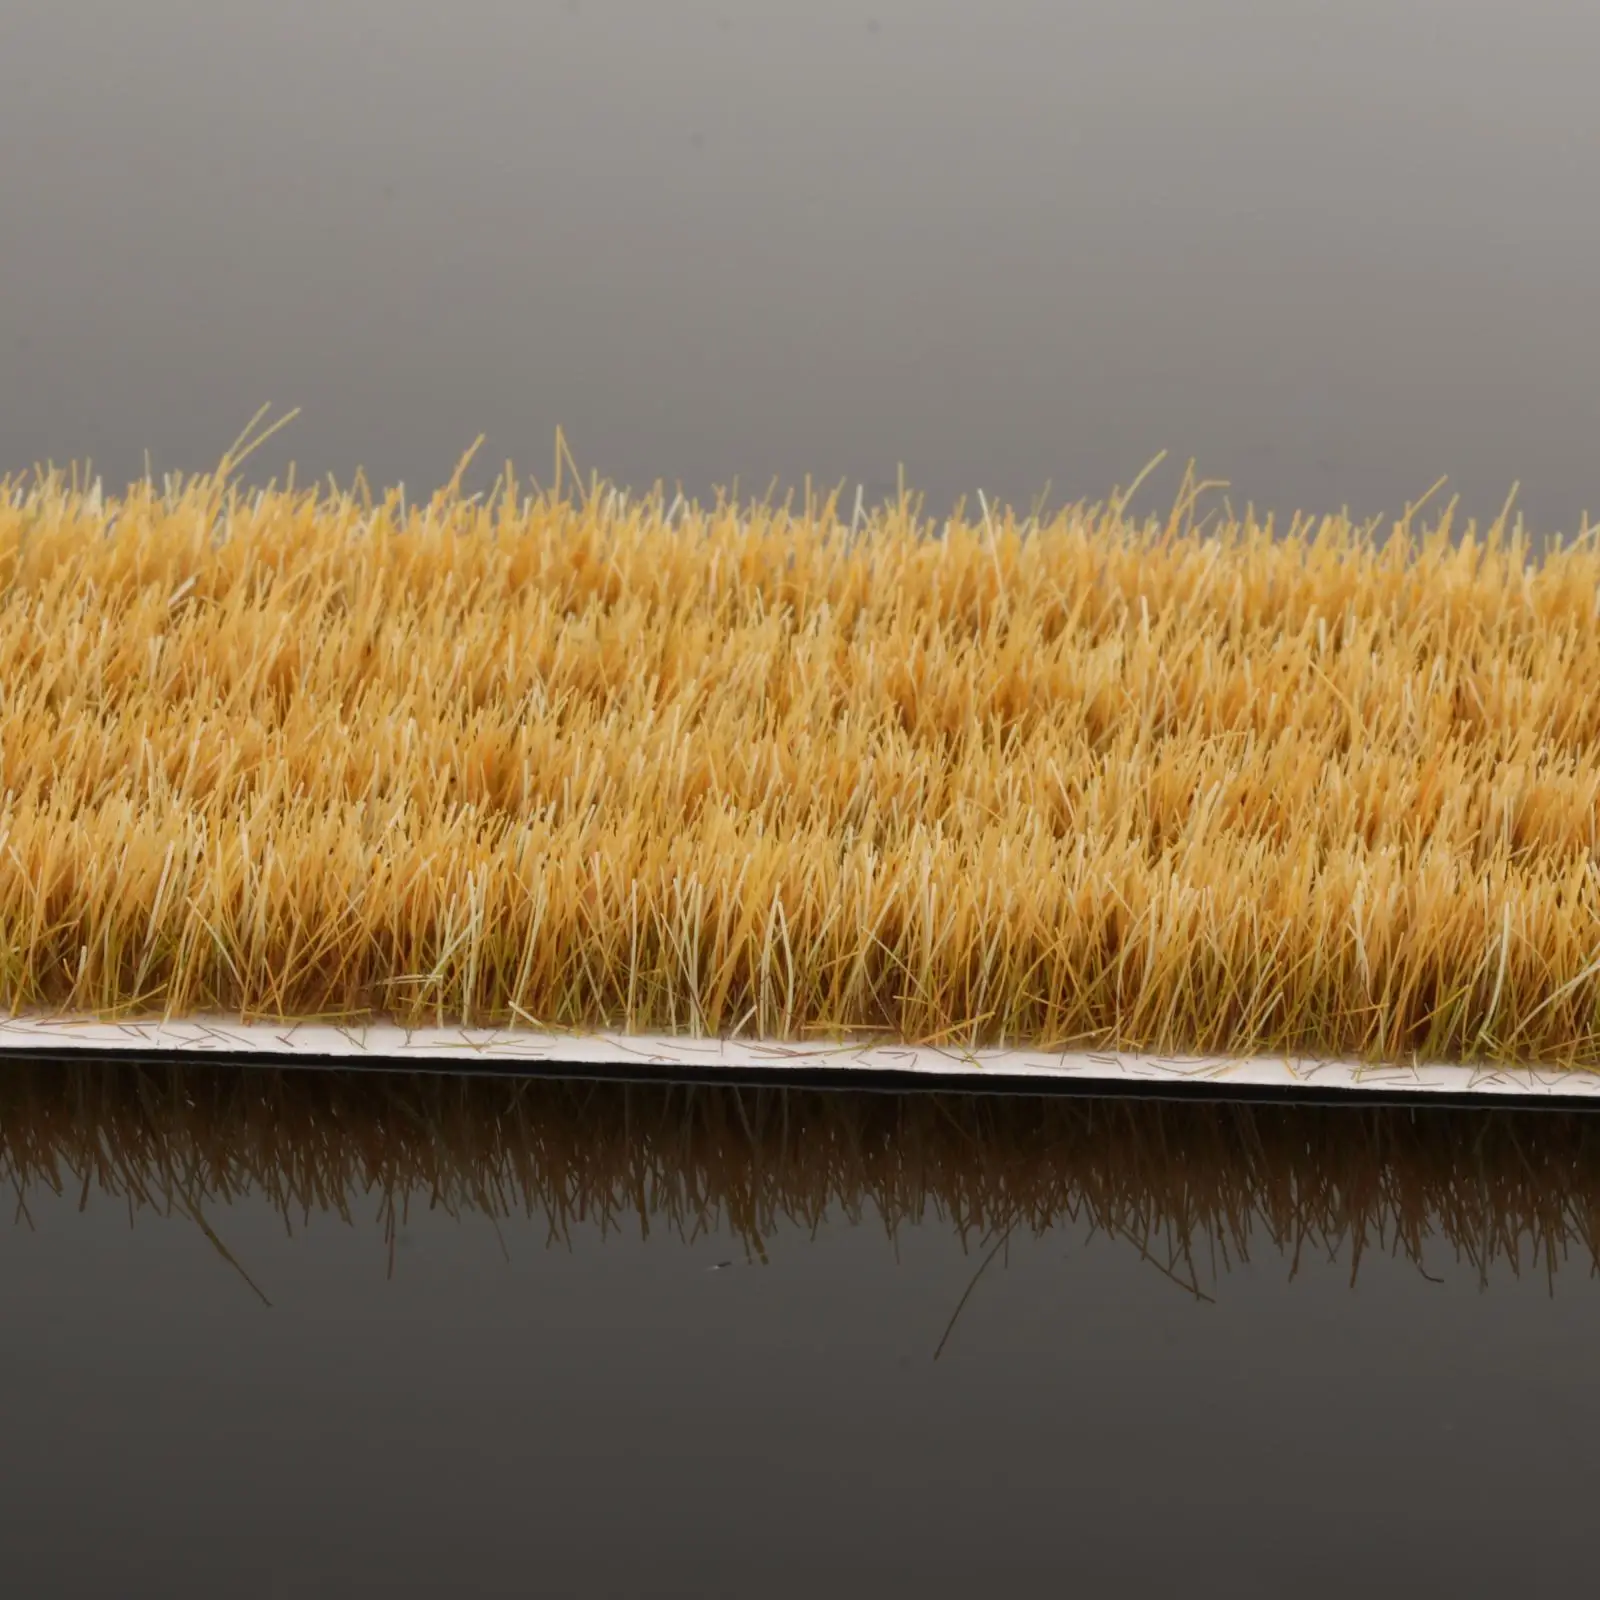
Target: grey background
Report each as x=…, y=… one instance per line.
x=1330, y=251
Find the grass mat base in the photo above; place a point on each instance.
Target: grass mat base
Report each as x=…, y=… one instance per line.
x=524, y=1051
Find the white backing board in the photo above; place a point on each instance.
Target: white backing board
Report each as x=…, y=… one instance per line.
x=381, y=1044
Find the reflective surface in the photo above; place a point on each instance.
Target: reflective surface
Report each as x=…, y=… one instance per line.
x=298, y=1333
x=1331, y=254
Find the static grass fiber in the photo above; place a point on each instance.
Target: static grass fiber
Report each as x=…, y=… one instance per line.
x=568, y=759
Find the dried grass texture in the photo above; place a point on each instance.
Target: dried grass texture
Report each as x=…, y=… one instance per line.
x=1195, y=1188
x=573, y=760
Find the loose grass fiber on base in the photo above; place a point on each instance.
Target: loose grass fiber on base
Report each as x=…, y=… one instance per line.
x=573, y=760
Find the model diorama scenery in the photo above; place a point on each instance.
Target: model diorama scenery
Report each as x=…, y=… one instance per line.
x=570, y=761
x=860, y=851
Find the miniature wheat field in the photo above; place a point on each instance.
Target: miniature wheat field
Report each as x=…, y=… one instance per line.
x=572, y=759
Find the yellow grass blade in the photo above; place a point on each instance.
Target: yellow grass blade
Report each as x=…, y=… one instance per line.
x=601, y=760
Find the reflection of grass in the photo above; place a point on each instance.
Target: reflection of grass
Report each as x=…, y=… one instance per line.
x=1193, y=1186
x=584, y=761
